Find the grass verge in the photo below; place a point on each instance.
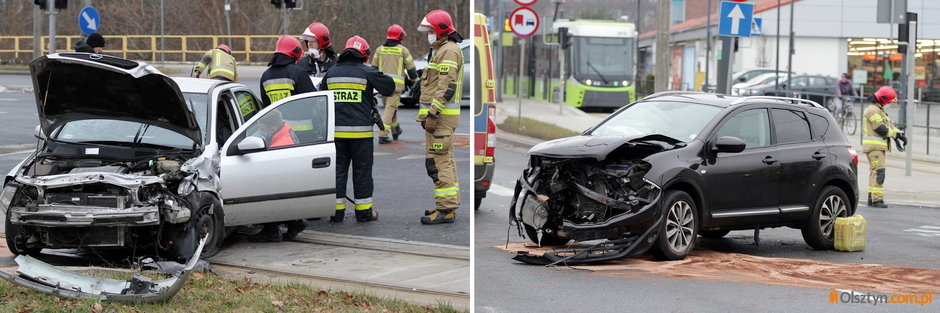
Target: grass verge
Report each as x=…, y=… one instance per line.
x=533, y=128
x=212, y=293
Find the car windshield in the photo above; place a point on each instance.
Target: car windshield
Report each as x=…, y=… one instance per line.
x=604, y=58
x=680, y=120
x=130, y=133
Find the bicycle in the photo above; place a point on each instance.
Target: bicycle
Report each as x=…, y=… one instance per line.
x=845, y=116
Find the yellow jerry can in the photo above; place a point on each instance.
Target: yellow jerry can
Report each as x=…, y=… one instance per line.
x=850, y=233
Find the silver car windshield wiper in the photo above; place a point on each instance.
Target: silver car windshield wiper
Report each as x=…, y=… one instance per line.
x=598, y=72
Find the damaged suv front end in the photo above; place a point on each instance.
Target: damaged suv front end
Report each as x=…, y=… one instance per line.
x=120, y=163
x=606, y=184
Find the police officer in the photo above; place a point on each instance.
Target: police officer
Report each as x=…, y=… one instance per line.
x=394, y=60
x=878, y=131
x=320, y=55
x=283, y=79
x=218, y=63
x=440, y=113
x=352, y=83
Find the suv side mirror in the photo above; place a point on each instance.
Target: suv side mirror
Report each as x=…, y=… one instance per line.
x=730, y=144
x=38, y=133
x=250, y=144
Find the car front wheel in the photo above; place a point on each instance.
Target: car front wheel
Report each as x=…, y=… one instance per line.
x=819, y=228
x=679, y=228
x=208, y=221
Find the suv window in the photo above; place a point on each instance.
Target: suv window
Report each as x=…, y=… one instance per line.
x=790, y=126
x=752, y=126
x=819, y=125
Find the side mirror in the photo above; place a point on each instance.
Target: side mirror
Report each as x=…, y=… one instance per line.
x=38, y=133
x=250, y=144
x=730, y=144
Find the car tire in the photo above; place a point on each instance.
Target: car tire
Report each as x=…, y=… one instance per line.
x=209, y=219
x=679, y=227
x=713, y=234
x=476, y=202
x=820, y=227
x=548, y=239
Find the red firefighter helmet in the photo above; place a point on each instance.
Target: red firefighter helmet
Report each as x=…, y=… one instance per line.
x=885, y=94
x=359, y=45
x=319, y=32
x=439, y=21
x=225, y=48
x=289, y=46
x=395, y=32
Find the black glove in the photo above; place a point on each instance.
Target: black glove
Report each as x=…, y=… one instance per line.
x=901, y=141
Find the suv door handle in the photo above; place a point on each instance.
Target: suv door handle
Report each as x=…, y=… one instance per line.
x=818, y=156
x=769, y=160
x=321, y=162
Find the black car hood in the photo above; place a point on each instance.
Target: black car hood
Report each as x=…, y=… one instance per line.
x=76, y=86
x=596, y=147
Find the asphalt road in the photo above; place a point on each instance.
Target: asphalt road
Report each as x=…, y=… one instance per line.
x=901, y=237
x=402, y=188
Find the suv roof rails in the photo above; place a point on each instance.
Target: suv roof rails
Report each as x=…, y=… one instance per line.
x=785, y=99
x=672, y=93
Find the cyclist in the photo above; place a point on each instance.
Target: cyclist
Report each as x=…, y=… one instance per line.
x=845, y=92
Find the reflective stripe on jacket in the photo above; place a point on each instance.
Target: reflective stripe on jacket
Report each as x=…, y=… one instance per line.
x=442, y=80
x=394, y=61
x=220, y=65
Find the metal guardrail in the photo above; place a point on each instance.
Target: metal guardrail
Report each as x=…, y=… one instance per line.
x=179, y=48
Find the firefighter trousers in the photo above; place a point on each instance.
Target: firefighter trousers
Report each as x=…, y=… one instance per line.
x=390, y=116
x=876, y=175
x=358, y=153
x=439, y=161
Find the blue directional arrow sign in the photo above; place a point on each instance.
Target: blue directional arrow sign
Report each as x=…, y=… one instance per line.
x=735, y=19
x=88, y=20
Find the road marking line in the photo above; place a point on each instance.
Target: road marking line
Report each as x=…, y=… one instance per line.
x=500, y=191
x=930, y=227
x=411, y=156
x=16, y=152
x=381, y=153
x=923, y=230
x=929, y=235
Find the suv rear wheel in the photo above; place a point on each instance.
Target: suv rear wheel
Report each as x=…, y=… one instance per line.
x=680, y=226
x=819, y=228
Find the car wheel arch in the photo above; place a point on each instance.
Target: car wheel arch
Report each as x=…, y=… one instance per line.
x=845, y=186
x=686, y=185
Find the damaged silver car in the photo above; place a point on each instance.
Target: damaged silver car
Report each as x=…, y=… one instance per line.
x=130, y=158
x=676, y=165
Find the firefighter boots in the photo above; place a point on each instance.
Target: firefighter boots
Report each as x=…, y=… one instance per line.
x=366, y=215
x=438, y=216
x=295, y=227
x=338, y=217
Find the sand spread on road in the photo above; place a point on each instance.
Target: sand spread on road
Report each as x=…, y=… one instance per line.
x=736, y=267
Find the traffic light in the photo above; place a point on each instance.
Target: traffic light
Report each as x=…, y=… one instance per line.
x=40, y=3
x=563, y=38
x=61, y=4
x=290, y=4
x=276, y=3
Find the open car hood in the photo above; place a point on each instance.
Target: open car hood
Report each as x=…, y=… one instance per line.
x=76, y=86
x=596, y=147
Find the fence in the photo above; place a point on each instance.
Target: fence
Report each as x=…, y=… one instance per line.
x=177, y=48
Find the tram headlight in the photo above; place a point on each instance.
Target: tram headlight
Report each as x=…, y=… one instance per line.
x=588, y=82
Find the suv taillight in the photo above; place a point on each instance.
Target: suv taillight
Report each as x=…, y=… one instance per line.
x=853, y=154
x=490, y=131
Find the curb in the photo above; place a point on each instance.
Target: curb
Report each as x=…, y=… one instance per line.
x=14, y=72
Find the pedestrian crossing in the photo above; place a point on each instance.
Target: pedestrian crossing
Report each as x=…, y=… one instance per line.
x=930, y=231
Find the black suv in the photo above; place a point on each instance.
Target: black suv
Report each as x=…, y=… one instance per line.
x=660, y=171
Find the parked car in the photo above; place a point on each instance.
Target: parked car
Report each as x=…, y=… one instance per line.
x=818, y=88
x=661, y=171
x=131, y=158
x=763, y=79
x=412, y=93
x=742, y=76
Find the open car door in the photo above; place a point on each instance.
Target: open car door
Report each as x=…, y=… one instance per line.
x=281, y=164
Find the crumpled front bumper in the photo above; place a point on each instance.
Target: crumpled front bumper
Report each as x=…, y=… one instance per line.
x=46, y=278
x=68, y=215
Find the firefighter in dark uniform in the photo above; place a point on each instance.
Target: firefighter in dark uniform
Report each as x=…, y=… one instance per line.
x=283, y=79
x=352, y=82
x=878, y=131
x=320, y=55
x=395, y=60
x=440, y=113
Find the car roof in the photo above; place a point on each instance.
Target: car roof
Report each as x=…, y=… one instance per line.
x=724, y=101
x=197, y=85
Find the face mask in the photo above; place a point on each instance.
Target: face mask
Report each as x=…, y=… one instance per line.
x=314, y=52
x=432, y=38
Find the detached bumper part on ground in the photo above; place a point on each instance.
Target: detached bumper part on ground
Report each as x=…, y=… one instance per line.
x=42, y=277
